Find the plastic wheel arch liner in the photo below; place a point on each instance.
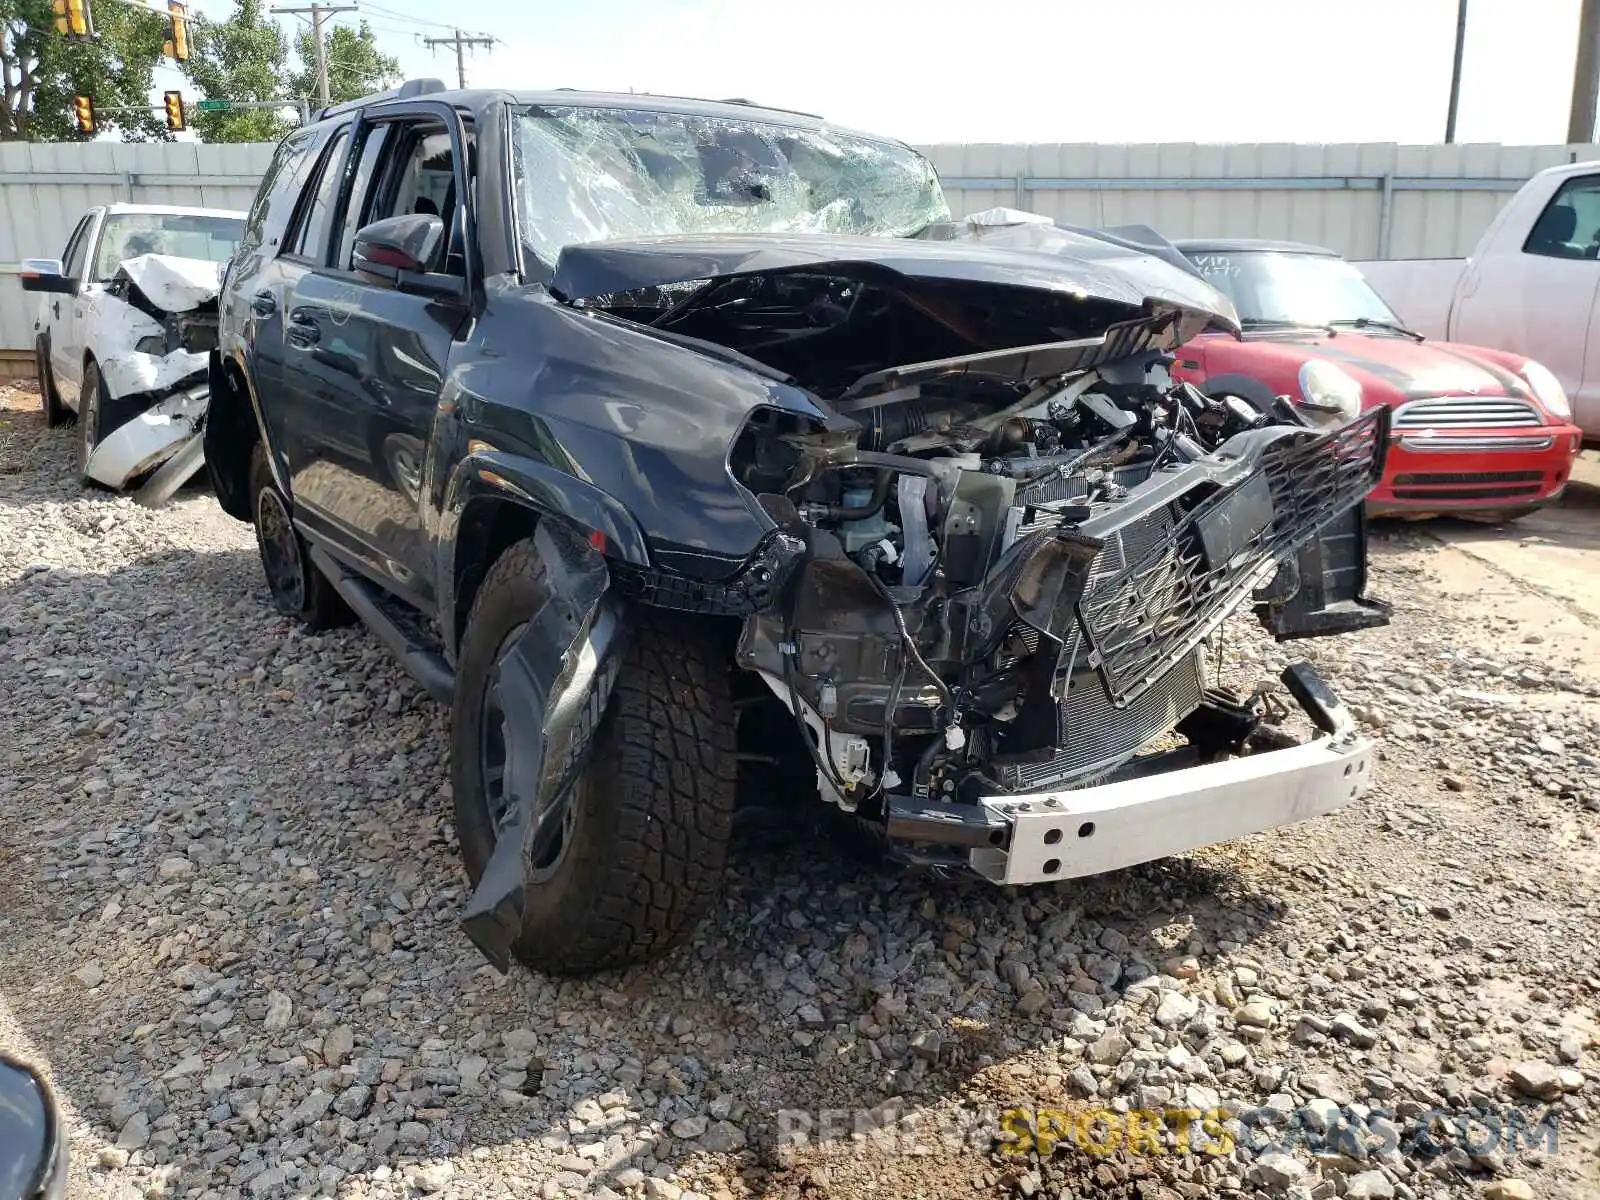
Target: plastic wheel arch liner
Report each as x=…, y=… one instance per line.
x=556, y=682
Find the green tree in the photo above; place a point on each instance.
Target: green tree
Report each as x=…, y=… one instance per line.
x=355, y=65
x=242, y=58
x=40, y=72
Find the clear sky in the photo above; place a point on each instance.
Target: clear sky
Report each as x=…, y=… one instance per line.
x=1040, y=70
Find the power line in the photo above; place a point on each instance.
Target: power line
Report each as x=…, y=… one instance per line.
x=407, y=18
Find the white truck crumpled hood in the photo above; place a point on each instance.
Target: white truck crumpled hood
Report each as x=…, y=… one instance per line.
x=175, y=284
x=114, y=330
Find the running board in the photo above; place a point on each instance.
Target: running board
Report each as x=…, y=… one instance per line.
x=422, y=662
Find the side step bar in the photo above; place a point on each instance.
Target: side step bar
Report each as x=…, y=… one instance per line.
x=422, y=662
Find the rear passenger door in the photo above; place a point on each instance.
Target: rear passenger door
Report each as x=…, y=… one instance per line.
x=368, y=359
x=252, y=305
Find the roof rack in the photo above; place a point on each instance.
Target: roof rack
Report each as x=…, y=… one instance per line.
x=406, y=91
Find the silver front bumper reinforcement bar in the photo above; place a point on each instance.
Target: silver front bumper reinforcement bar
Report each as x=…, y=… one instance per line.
x=1067, y=834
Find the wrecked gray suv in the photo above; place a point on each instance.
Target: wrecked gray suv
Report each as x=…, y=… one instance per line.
x=687, y=448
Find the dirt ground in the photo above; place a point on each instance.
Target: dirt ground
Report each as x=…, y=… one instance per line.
x=229, y=889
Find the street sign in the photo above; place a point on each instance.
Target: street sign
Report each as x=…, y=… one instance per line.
x=214, y=105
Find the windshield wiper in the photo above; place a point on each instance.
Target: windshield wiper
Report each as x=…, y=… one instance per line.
x=1278, y=323
x=1391, y=326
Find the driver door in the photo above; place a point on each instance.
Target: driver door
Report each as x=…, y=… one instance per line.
x=62, y=315
x=369, y=358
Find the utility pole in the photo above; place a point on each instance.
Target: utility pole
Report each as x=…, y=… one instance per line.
x=1455, y=73
x=1585, y=75
x=460, y=41
x=318, y=11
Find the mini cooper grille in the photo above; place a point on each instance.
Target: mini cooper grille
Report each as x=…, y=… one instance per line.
x=1146, y=617
x=1464, y=412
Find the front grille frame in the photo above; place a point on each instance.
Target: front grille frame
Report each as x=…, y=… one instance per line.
x=1142, y=621
x=1441, y=413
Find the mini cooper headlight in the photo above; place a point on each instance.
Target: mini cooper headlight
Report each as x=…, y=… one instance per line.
x=1326, y=389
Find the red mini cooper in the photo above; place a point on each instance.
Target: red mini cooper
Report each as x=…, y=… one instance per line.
x=1474, y=430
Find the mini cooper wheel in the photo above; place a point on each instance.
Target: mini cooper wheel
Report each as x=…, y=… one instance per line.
x=298, y=589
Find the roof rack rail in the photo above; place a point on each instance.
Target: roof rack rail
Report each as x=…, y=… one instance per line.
x=408, y=90
x=740, y=100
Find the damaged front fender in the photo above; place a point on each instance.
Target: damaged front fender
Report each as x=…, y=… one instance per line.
x=555, y=683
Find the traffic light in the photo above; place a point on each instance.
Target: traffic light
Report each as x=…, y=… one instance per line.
x=174, y=103
x=74, y=21
x=177, y=47
x=83, y=114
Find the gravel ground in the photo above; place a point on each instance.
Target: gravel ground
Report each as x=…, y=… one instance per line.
x=228, y=927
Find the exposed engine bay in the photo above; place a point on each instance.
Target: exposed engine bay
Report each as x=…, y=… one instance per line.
x=1002, y=545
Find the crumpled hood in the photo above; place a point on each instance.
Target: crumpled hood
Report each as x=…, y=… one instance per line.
x=1025, y=254
x=1397, y=369
x=174, y=284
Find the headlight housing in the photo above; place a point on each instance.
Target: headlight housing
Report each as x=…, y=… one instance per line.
x=1324, y=388
x=1547, y=389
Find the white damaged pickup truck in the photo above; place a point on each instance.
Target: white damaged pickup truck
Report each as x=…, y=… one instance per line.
x=126, y=322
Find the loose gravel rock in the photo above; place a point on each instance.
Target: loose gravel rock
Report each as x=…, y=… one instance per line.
x=228, y=928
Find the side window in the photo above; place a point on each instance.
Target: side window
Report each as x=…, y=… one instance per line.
x=77, y=249
x=418, y=176
x=279, y=187
x=359, y=201
x=1569, y=227
x=310, y=240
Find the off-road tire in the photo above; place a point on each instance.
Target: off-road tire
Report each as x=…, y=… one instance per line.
x=55, y=412
x=309, y=596
x=653, y=812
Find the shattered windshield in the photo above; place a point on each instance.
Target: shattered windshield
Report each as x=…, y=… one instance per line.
x=602, y=174
x=1301, y=289
x=128, y=235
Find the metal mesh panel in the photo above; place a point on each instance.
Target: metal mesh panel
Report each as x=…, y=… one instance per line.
x=1157, y=609
x=1100, y=737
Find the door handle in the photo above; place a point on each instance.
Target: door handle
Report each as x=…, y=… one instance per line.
x=303, y=333
x=263, y=304
x=55, y=307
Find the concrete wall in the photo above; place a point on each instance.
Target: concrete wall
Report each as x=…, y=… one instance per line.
x=1366, y=201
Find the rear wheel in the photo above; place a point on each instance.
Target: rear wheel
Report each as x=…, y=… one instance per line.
x=55, y=413
x=298, y=589
x=640, y=846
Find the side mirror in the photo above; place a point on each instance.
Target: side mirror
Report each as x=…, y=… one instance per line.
x=33, y=1145
x=45, y=275
x=397, y=251
x=395, y=245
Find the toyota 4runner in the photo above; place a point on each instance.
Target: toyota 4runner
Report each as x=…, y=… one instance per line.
x=674, y=443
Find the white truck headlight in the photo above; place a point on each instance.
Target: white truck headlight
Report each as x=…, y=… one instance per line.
x=1326, y=389
x=1547, y=389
